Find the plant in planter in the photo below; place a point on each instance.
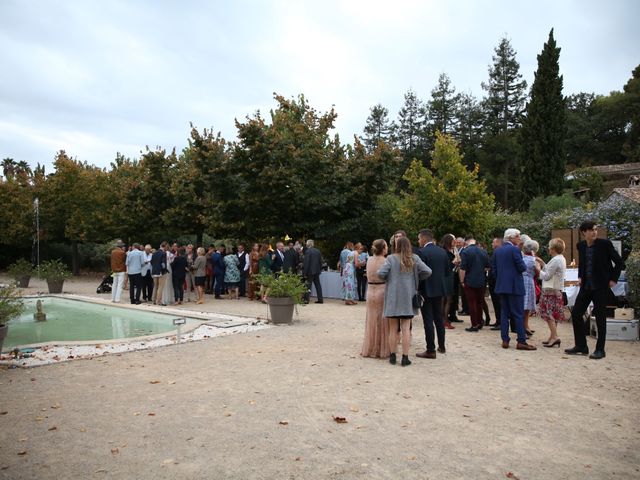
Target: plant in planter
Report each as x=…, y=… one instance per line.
x=21, y=271
x=54, y=272
x=10, y=306
x=283, y=292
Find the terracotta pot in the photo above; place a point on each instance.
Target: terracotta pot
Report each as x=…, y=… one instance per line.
x=281, y=310
x=55, y=286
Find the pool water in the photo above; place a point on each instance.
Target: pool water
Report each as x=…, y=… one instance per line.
x=77, y=320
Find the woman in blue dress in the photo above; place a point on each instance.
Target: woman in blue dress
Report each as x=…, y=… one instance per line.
x=529, y=250
x=232, y=275
x=349, y=290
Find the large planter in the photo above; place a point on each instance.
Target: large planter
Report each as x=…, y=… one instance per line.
x=281, y=309
x=4, y=329
x=55, y=286
x=23, y=280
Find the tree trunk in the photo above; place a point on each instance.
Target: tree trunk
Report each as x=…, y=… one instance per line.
x=75, y=258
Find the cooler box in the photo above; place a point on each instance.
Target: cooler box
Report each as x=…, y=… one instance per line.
x=617, y=329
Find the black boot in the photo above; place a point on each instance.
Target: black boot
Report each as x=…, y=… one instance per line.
x=405, y=361
x=392, y=359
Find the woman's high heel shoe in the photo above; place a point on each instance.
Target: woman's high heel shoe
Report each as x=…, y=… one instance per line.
x=553, y=344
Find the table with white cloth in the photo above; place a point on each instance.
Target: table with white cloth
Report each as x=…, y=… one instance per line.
x=331, y=283
x=571, y=287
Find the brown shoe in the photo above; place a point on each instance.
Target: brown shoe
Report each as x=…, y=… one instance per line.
x=426, y=354
x=505, y=344
x=525, y=346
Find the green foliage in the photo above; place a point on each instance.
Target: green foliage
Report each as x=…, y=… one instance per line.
x=285, y=285
x=631, y=112
x=544, y=128
x=588, y=178
x=378, y=128
x=542, y=205
x=11, y=304
x=411, y=132
x=449, y=199
x=19, y=268
x=443, y=107
x=54, y=270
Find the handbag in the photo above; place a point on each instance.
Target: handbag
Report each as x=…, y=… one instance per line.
x=416, y=300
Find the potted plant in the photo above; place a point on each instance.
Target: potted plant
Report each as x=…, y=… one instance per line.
x=283, y=292
x=21, y=271
x=10, y=306
x=54, y=272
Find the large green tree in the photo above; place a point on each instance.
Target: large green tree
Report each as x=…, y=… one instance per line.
x=631, y=111
x=544, y=129
x=442, y=108
x=411, y=130
x=449, y=198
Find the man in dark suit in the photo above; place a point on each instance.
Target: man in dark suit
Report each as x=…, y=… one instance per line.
x=508, y=266
x=217, y=260
x=433, y=289
x=277, y=261
x=312, y=268
x=243, y=266
x=291, y=259
x=473, y=278
x=599, y=268
x=491, y=282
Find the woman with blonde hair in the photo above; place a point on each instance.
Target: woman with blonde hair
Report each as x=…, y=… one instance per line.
x=402, y=272
x=551, y=306
x=376, y=330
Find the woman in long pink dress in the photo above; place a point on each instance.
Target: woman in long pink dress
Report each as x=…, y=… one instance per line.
x=376, y=330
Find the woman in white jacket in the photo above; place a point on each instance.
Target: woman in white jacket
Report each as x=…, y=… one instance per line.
x=551, y=306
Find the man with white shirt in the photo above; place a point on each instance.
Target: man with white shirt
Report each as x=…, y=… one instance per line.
x=147, y=279
x=278, y=258
x=243, y=266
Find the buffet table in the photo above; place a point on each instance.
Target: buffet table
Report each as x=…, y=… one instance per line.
x=331, y=283
x=571, y=287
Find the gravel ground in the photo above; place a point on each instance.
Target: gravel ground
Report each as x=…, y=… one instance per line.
x=265, y=404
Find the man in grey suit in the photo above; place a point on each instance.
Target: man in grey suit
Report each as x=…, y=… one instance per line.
x=433, y=289
x=312, y=267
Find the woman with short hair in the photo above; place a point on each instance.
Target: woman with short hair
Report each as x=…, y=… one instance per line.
x=551, y=305
x=402, y=271
x=529, y=250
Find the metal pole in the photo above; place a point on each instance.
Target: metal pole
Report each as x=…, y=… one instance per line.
x=36, y=202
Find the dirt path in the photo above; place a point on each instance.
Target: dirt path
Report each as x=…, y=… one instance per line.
x=261, y=405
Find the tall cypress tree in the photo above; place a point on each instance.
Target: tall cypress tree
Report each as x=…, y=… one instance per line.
x=410, y=131
x=544, y=128
x=443, y=107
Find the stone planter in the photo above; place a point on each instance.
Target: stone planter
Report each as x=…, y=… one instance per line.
x=281, y=310
x=55, y=286
x=23, y=281
x=4, y=329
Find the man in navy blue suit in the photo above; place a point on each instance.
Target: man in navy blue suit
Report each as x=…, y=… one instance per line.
x=433, y=289
x=508, y=267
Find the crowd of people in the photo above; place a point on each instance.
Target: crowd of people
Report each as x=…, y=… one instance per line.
x=171, y=274
x=398, y=280
x=431, y=278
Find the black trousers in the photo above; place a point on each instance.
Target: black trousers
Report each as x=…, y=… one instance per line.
x=432, y=316
x=315, y=279
x=147, y=286
x=362, y=283
x=135, y=287
x=243, y=283
x=600, y=297
x=178, y=288
x=495, y=300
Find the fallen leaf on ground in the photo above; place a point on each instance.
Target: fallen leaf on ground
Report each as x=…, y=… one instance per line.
x=102, y=470
x=56, y=406
x=22, y=452
x=171, y=382
x=283, y=422
x=3, y=413
x=135, y=414
x=151, y=414
x=153, y=382
x=39, y=419
x=51, y=429
x=412, y=457
x=340, y=419
x=228, y=414
x=511, y=475
x=354, y=409
x=23, y=439
x=168, y=461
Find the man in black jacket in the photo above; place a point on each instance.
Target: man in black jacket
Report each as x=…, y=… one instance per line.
x=598, y=271
x=433, y=289
x=312, y=268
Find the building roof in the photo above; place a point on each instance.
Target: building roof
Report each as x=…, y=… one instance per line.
x=617, y=169
x=631, y=193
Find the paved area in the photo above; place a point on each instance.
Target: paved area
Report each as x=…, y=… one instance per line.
x=264, y=405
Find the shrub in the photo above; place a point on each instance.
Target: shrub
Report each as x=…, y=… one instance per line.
x=10, y=303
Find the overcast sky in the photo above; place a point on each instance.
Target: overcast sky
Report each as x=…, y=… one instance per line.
x=99, y=77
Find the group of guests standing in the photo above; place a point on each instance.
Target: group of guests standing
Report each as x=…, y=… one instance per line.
x=512, y=272
x=169, y=274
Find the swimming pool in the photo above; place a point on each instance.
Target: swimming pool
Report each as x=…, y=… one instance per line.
x=71, y=320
